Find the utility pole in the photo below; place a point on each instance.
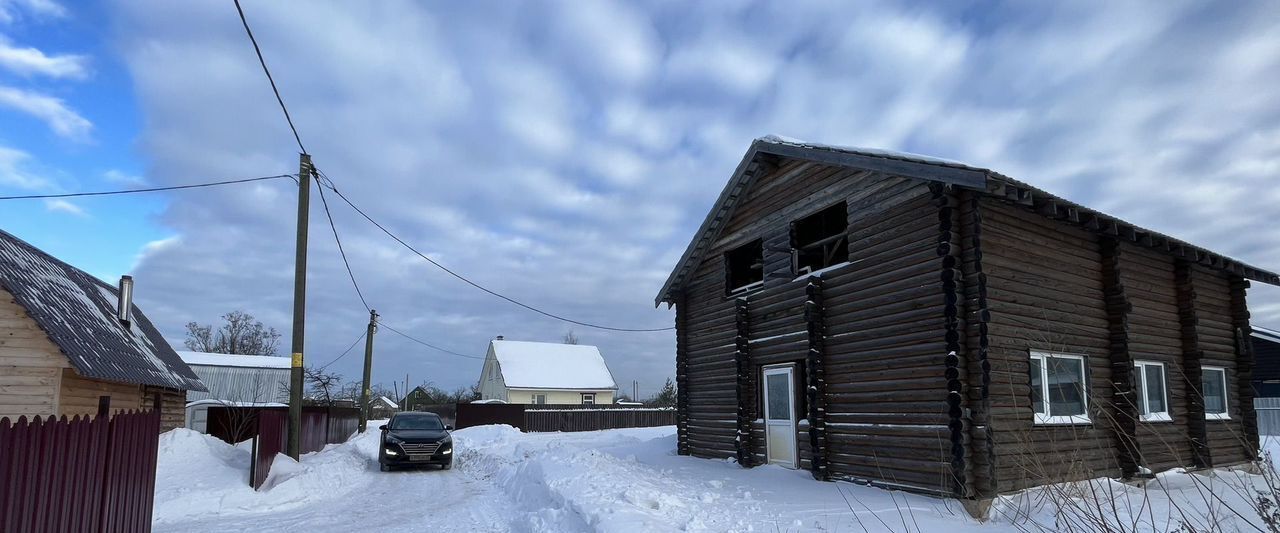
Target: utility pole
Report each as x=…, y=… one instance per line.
x=299, y=307
x=368, y=368
x=635, y=390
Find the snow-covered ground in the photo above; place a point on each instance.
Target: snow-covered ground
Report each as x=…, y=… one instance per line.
x=618, y=481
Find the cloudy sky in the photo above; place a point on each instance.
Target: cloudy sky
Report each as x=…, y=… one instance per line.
x=563, y=153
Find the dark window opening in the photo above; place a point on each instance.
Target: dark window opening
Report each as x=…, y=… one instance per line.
x=744, y=267
x=820, y=240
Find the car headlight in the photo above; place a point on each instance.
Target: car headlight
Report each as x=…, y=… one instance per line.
x=391, y=439
x=447, y=450
x=390, y=451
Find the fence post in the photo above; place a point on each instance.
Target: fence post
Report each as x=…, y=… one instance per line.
x=104, y=405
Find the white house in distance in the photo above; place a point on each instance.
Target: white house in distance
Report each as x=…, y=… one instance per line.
x=545, y=373
x=235, y=380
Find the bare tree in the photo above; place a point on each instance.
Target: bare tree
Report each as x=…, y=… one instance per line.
x=240, y=334
x=570, y=338
x=324, y=386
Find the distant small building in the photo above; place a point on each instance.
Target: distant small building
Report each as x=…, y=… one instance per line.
x=417, y=399
x=235, y=380
x=68, y=339
x=1266, y=373
x=382, y=407
x=545, y=373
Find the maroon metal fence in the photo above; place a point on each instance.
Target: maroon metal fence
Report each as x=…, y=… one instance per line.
x=320, y=426
x=84, y=474
x=551, y=418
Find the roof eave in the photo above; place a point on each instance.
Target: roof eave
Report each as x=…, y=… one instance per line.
x=730, y=190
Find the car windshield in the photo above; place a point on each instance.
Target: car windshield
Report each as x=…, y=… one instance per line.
x=416, y=422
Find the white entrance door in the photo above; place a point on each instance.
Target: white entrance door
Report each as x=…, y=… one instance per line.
x=780, y=415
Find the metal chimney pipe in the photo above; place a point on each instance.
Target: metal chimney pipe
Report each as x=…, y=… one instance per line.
x=499, y=337
x=125, y=303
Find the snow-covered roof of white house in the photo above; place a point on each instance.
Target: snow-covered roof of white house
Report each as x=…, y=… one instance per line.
x=226, y=359
x=385, y=401
x=78, y=314
x=549, y=365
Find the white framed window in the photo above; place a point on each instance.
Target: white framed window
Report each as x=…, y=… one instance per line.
x=540, y=399
x=588, y=398
x=1152, y=390
x=1213, y=385
x=1059, y=388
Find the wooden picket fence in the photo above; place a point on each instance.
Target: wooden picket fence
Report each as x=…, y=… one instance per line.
x=92, y=474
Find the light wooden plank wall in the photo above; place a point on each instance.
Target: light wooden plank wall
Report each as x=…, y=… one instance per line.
x=30, y=365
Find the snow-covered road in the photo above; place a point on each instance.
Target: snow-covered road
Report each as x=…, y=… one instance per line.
x=615, y=481
x=504, y=480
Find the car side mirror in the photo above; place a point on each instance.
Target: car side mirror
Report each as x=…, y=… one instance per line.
x=383, y=427
x=448, y=428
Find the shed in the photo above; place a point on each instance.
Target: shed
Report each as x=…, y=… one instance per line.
x=913, y=322
x=234, y=380
x=1266, y=375
x=545, y=372
x=67, y=339
x=382, y=407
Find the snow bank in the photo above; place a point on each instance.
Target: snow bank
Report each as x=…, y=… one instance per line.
x=199, y=475
x=627, y=480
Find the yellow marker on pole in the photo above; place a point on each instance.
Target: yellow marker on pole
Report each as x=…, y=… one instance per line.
x=297, y=360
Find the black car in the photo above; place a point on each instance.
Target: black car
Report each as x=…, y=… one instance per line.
x=415, y=439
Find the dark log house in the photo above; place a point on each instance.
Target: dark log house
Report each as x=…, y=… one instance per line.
x=922, y=324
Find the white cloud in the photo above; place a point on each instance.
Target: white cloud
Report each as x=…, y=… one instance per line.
x=551, y=163
x=14, y=172
x=10, y=9
x=28, y=61
x=54, y=112
x=58, y=205
x=123, y=178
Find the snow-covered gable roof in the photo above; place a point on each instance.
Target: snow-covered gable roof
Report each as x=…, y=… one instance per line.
x=78, y=314
x=226, y=359
x=548, y=365
x=770, y=148
x=385, y=401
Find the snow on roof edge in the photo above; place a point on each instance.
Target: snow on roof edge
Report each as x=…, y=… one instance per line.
x=223, y=359
x=876, y=152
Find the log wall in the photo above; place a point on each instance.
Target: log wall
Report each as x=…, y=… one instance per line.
x=1056, y=287
x=883, y=344
x=1227, y=440
x=1046, y=293
x=912, y=359
x=1154, y=335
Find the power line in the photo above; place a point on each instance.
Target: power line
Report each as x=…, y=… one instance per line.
x=477, y=285
x=427, y=344
x=150, y=189
x=341, y=251
x=263, y=62
x=347, y=351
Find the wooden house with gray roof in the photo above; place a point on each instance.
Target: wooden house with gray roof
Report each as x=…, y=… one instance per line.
x=67, y=340
x=918, y=323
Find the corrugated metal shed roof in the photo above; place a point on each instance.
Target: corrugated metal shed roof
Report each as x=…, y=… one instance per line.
x=77, y=312
x=241, y=383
